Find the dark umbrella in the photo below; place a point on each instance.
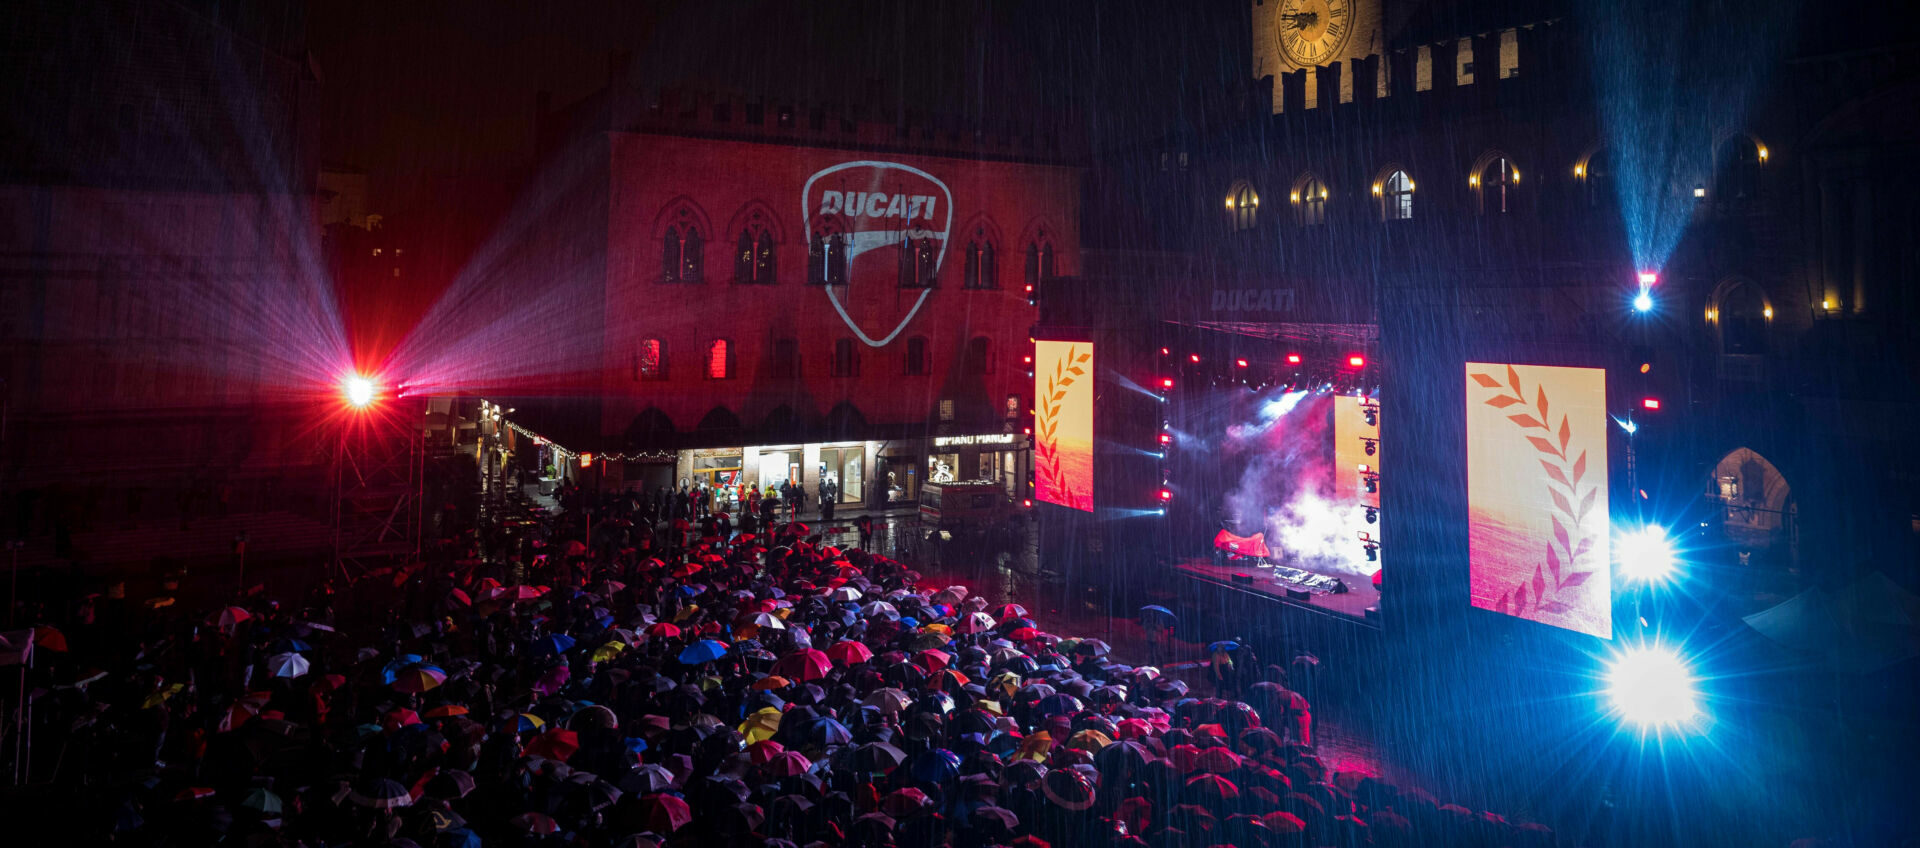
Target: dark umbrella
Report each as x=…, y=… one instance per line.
x=536, y=823
x=877, y=757
x=665, y=813
x=381, y=794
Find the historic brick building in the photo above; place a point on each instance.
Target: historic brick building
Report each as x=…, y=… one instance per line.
x=790, y=291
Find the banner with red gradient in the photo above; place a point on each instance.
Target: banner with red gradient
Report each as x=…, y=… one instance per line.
x=1063, y=423
x=1537, y=494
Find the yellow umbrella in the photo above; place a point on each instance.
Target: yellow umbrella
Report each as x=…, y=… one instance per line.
x=686, y=612
x=161, y=696
x=1007, y=682
x=1089, y=740
x=761, y=726
x=1035, y=747
x=938, y=628
x=608, y=651
x=991, y=706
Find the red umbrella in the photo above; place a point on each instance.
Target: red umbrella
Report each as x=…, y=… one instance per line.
x=536, y=823
x=663, y=630
x=804, y=665
x=933, y=660
x=574, y=548
x=665, y=813
x=1218, y=760
x=849, y=652
x=764, y=751
x=329, y=682
x=446, y=711
x=788, y=764
x=418, y=679
x=399, y=718
x=553, y=745
x=1023, y=634
x=50, y=638
x=459, y=597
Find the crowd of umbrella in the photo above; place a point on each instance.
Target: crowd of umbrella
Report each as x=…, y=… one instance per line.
x=771, y=691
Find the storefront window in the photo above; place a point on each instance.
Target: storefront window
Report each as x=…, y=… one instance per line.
x=843, y=473
x=716, y=470
x=778, y=467
x=943, y=467
x=898, y=475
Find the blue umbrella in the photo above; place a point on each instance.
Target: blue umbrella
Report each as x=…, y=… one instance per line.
x=553, y=643
x=936, y=765
x=826, y=732
x=290, y=645
x=1152, y=610
x=398, y=665
x=636, y=745
x=703, y=651
x=1224, y=645
x=1058, y=703
x=461, y=837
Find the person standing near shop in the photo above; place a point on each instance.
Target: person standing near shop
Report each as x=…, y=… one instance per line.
x=829, y=498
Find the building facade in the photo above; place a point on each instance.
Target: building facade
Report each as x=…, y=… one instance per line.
x=794, y=294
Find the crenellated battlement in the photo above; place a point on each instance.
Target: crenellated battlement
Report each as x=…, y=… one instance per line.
x=1474, y=68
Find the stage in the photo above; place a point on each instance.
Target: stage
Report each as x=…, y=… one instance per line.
x=1352, y=604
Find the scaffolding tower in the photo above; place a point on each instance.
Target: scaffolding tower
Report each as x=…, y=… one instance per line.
x=378, y=477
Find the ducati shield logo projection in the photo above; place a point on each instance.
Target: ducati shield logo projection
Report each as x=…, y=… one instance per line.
x=876, y=212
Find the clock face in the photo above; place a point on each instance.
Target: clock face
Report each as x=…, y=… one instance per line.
x=1314, y=32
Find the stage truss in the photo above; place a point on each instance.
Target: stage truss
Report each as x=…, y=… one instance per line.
x=378, y=477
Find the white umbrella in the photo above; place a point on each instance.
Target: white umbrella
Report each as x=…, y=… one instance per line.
x=286, y=665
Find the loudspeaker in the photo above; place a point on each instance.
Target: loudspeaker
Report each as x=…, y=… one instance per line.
x=1242, y=577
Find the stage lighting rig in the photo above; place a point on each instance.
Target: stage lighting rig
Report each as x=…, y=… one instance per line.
x=1371, y=479
x=1371, y=408
x=1370, y=545
x=359, y=390
x=1373, y=445
x=1373, y=515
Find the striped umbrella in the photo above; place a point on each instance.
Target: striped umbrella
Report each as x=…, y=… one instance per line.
x=381, y=794
x=287, y=665
x=419, y=679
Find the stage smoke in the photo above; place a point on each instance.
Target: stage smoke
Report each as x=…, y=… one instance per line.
x=1286, y=486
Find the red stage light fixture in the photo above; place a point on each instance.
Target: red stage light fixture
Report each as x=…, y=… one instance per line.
x=1650, y=403
x=1194, y=357
x=1166, y=438
x=1166, y=382
x=359, y=391
x=1240, y=362
x=1028, y=503
x=1648, y=278
x=1164, y=351
x=1356, y=361
x=1293, y=359
x=1166, y=494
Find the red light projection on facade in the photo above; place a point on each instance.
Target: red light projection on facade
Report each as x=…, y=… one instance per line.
x=890, y=214
x=1537, y=494
x=1063, y=417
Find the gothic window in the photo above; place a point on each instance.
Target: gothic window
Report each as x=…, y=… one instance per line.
x=827, y=258
x=1743, y=315
x=1243, y=205
x=917, y=259
x=1737, y=171
x=680, y=247
x=982, y=266
x=650, y=361
x=1596, y=177
x=1039, y=264
x=753, y=255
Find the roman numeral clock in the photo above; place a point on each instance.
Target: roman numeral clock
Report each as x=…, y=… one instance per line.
x=1293, y=34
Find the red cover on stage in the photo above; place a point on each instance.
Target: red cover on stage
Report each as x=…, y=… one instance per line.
x=1246, y=546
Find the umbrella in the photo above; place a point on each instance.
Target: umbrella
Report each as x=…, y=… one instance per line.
x=844, y=593
x=933, y=660
x=536, y=823
x=849, y=652
x=826, y=732
x=554, y=744
x=419, y=678
x=976, y=622
x=881, y=610
x=1156, y=614
x=287, y=665
x=608, y=651
x=290, y=645
x=803, y=665
x=665, y=813
x=1223, y=646
x=524, y=722
x=663, y=630
x=1007, y=611
x=263, y=802
x=381, y=794
x=888, y=700
x=877, y=757
x=552, y=644
x=647, y=777
x=762, y=725
x=231, y=616
x=446, y=711
x=703, y=651
x=552, y=680
x=787, y=764
x=450, y=784
x=935, y=765
x=49, y=638
x=460, y=597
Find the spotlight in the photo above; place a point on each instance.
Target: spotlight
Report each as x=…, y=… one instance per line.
x=1166, y=438
x=1645, y=555
x=359, y=390
x=1652, y=403
x=1356, y=361
x=1194, y=358
x=1648, y=279
x=1372, y=480
x=1166, y=382
x=1643, y=302
x=1166, y=495
x=1651, y=686
x=1240, y=362
x=1293, y=359
x=1373, y=515
x=1373, y=446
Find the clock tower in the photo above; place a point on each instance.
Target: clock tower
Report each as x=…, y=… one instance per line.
x=1293, y=34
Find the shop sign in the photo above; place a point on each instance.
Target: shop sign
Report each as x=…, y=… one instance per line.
x=1253, y=300
x=877, y=206
x=961, y=441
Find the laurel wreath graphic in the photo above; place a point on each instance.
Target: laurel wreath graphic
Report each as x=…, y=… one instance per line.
x=1558, y=574
x=1065, y=371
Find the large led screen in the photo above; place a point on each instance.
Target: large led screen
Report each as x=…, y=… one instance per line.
x=1537, y=494
x=1063, y=423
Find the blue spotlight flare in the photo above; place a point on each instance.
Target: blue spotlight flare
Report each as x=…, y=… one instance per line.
x=1650, y=686
x=1645, y=555
x=1643, y=302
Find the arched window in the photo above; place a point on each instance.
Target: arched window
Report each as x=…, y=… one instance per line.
x=650, y=361
x=1396, y=196
x=1039, y=265
x=1743, y=314
x=1309, y=198
x=1243, y=205
x=719, y=360
x=977, y=360
x=1596, y=178
x=753, y=256
x=919, y=357
x=827, y=257
x=982, y=266
x=1737, y=170
x=1498, y=182
x=786, y=358
x=918, y=257
x=846, y=361
x=680, y=247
